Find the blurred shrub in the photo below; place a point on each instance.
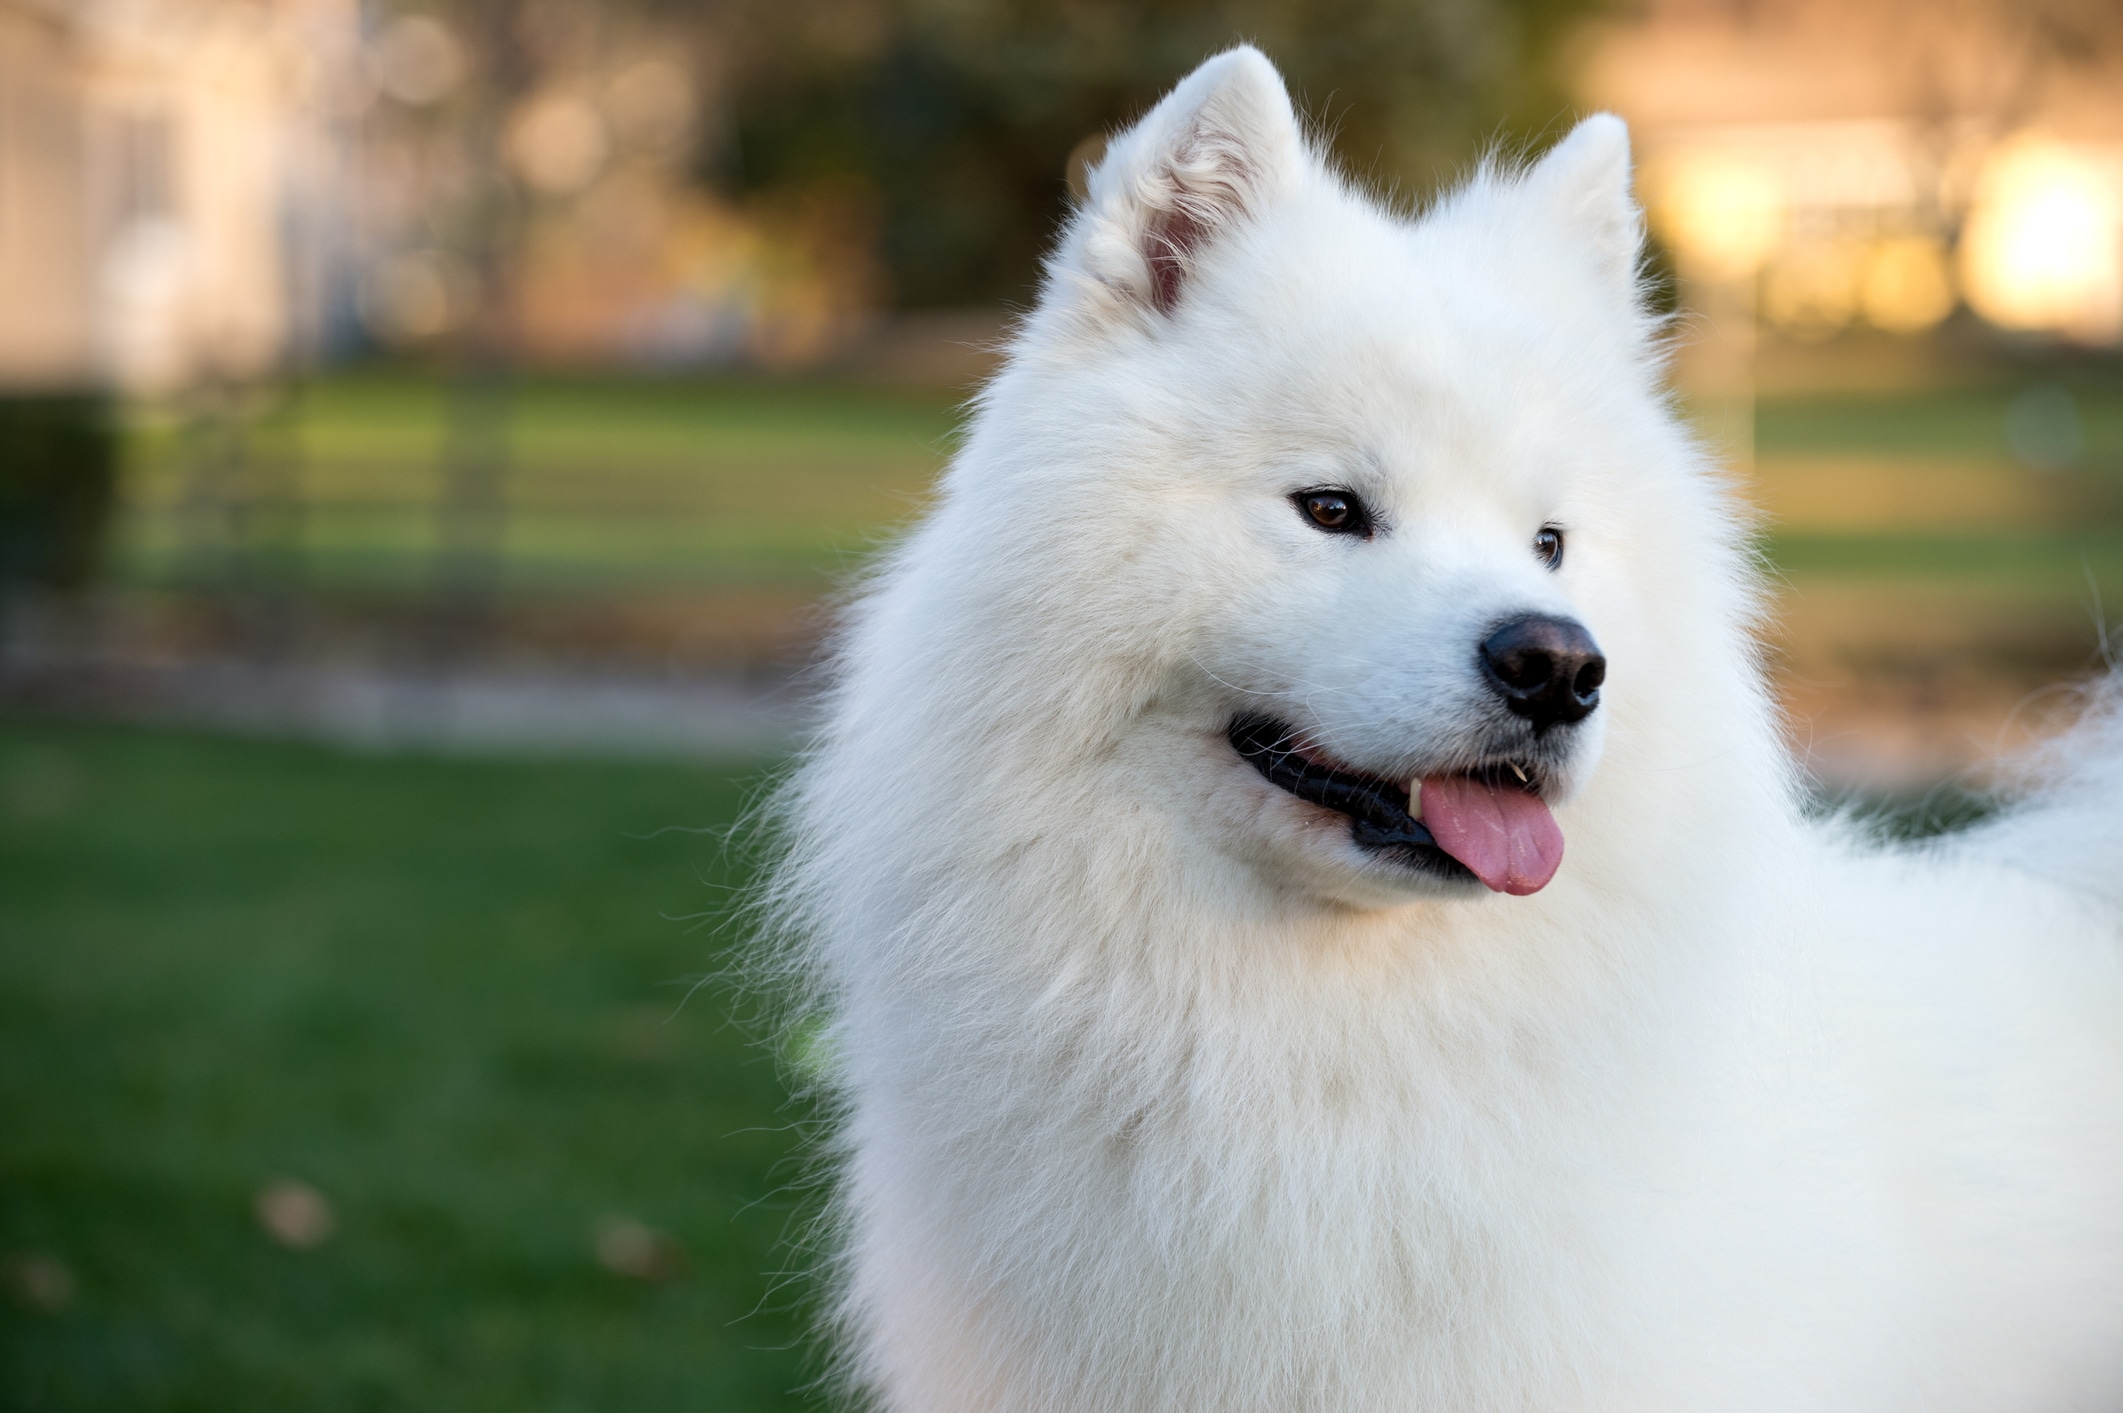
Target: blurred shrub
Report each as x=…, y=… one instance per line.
x=58, y=477
x=961, y=115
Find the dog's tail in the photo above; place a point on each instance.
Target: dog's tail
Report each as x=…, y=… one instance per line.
x=2065, y=820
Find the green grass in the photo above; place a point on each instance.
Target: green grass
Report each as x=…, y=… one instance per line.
x=2007, y=558
x=1953, y=422
x=2055, y=532
x=446, y=994
x=609, y=483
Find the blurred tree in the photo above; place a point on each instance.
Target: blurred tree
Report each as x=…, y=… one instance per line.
x=946, y=126
x=960, y=115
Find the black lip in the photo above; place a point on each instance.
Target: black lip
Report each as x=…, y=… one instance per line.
x=1377, y=809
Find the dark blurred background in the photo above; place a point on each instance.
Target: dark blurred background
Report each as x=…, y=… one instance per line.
x=429, y=433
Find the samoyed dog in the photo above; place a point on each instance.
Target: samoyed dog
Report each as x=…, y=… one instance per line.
x=1309, y=908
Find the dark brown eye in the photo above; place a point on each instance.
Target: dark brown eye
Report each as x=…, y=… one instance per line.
x=1548, y=544
x=1337, y=512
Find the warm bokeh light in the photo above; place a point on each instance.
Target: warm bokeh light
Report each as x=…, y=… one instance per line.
x=652, y=105
x=1907, y=286
x=1811, y=290
x=557, y=142
x=415, y=295
x=2043, y=247
x=1814, y=289
x=416, y=60
x=1817, y=246
x=1723, y=215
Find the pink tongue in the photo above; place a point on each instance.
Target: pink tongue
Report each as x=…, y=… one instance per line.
x=1507, y=837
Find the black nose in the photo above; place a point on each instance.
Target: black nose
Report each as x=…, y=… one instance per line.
x=1546, y=669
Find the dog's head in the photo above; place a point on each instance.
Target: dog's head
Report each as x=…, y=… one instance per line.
x=1391, y=509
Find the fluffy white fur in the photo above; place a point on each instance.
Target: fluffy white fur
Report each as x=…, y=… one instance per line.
x=1157, y=1093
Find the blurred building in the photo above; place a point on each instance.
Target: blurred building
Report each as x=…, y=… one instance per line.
x=169, y=187
x=211, y=189
x=1882, y=162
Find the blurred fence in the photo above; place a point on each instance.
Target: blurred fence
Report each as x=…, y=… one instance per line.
x=401, y=557
x=1946, y=535
x=359, y=485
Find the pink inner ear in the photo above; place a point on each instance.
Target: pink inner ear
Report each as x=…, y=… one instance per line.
x=1173, y=236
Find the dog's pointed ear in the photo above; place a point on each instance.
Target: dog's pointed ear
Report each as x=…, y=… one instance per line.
x=1584, y=182
x=1220, y=146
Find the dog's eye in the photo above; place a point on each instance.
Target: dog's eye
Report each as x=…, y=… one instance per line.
x=1337, y=512
x=1548, y=544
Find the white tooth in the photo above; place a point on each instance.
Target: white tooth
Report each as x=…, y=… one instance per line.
x=1519, y=773
x=1415, y=798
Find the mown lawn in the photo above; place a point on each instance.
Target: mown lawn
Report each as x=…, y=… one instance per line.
x=1919, y=546
x=445, y=995
x=1926, y=486
x=606, y=484
x=1950, y=421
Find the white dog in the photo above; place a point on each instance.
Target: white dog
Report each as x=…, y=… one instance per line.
x=1309, y=905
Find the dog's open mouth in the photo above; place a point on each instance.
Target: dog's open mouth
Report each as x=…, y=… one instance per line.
x=1490, y=825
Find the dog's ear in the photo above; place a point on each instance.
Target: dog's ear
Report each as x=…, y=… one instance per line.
x=1221, y=145
x=1583, y=181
